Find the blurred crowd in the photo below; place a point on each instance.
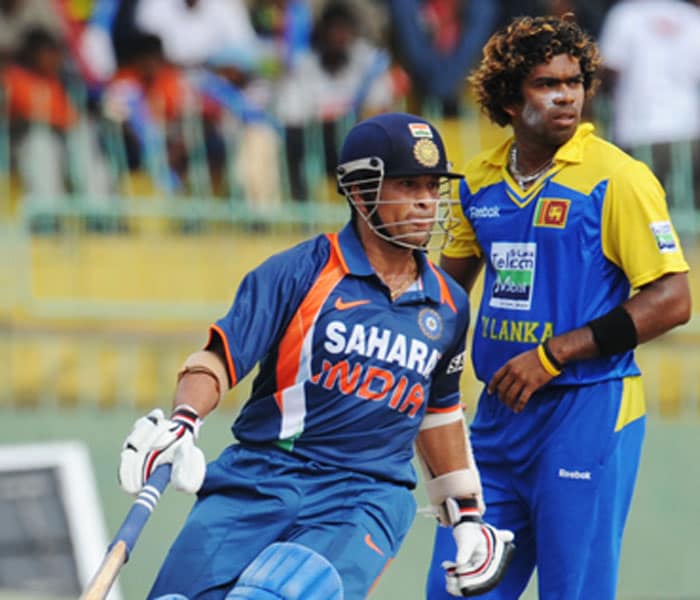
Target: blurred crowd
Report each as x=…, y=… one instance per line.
x=231, y=97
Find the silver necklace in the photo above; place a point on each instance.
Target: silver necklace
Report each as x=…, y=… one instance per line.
x=525, y=180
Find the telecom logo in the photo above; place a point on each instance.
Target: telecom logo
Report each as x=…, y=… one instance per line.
x=484, y=212
x=514, y=264
x=663, y=234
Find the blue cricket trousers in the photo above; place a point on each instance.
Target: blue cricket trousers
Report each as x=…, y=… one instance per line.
x=253, y=497
x=560, y=475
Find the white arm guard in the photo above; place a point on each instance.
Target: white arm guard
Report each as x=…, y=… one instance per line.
x=464, y=483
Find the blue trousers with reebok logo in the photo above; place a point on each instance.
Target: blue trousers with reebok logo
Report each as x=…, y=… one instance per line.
x=560, y=475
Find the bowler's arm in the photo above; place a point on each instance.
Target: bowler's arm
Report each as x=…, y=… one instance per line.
x=655, y=309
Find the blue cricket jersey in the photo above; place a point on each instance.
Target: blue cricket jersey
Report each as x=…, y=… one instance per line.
x=346, y=374
x=564, y=252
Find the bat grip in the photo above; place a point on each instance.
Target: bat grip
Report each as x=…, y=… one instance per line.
x=142, y=508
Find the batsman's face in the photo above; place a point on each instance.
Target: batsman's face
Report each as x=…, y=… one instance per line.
x=408, y=207
x=553, y=97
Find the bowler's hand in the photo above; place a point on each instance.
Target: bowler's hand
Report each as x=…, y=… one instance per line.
x=518, y=379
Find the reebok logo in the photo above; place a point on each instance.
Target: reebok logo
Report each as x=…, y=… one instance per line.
x=484, y=212
x=564, y=474
x=341, y=305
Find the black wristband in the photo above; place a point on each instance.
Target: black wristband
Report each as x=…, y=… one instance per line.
x=614, y=332
x=548, y=353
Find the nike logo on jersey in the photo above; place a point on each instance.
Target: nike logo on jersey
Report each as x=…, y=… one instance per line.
x=340, y=305
x=370, y=542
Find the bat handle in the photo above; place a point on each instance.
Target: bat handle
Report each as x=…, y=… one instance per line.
x=142, y=508
x=125, y=538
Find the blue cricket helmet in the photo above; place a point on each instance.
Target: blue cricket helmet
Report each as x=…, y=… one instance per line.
x=407, y=145
x=395, y=145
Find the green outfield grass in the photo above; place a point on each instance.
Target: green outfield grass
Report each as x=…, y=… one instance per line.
x=660, y=555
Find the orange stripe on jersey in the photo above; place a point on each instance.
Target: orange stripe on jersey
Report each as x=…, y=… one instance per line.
x=227, y=351
x=290, y=348
x=335, y=244
x=445, y=294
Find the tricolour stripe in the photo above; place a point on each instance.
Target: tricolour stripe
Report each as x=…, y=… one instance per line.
x=295, y=349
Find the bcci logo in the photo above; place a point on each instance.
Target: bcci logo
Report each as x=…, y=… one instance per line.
x=426, y=152
x=430, y=323
x=515, y=275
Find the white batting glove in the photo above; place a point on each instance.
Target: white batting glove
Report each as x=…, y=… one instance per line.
x=483, y=552
x=154, y=441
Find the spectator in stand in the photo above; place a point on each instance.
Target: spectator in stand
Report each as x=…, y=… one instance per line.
x=194, y=30
x=94, y=47
x=20, y=17
x=651, y=50
x=229, y=84
x=150, y=98
x=589, y=13
x=437, y=42
x=40, y=114
x=341, y=78
x=284, y=29
x=372, y=17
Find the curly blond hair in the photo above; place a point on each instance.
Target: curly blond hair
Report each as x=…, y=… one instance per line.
x=511, y=53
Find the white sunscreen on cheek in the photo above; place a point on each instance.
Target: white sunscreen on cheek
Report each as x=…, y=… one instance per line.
x=532, y=117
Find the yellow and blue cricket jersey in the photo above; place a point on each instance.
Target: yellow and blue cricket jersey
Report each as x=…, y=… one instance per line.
x=564, y=252
x=561, y=473
x=344, y=371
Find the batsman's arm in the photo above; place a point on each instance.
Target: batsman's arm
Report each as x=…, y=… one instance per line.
x=156, y=439
x=445, y=456
x=203, y=379
x=453, y=485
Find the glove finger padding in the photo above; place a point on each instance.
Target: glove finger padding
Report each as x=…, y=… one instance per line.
x=483, y=552
x=135, y=448
x=189, y=467
x=156, y=440
x=486, y=568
